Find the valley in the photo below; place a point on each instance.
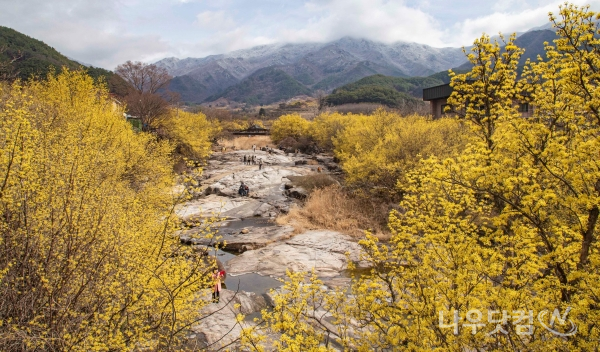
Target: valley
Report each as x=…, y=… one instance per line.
x=254, y=249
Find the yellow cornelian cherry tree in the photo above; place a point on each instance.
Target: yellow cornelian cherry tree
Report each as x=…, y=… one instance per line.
x=88, y=261
x=496, y=247
x=376, y=150
x=328, y=125
x=292, y=125
x=192, y=133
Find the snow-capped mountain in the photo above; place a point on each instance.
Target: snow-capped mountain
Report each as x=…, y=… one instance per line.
x=314, y=65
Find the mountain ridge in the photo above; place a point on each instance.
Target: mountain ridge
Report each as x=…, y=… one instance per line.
x=314, y=65
x=321, y=66
x=533, y=43
x=264, y=86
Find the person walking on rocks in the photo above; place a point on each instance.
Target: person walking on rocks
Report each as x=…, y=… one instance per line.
x=260, y=164
x=217, y=285
x=244, y=160
x=254, y=148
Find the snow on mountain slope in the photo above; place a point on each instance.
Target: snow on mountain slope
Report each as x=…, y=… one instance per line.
x=315, y=65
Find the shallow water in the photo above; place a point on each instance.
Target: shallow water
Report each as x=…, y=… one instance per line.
x=236, y=225
x=251, y=283
x=222, y=255
x=248, y=282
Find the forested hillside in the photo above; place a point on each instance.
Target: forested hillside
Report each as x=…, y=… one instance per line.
x=34, y=58
x=265, y=86
x=380, y=89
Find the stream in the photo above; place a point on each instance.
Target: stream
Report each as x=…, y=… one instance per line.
x=258, y=251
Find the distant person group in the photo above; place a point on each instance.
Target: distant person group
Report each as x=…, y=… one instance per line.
x=249, y=160
x=252, y=160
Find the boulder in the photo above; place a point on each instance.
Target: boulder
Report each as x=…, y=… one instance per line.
x=263, y=210
x=254, y=238
x=212, y=205
x=218, y=327
x=297, y=192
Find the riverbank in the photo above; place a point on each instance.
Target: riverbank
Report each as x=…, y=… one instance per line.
x=258, y=251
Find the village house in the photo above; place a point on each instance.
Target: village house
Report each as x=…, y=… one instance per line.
x=438, y=100
x=252, y=131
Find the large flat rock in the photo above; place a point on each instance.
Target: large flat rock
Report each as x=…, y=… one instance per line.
x=323, y=251
x=262, y=182
x=209, y=206
x=256, y=237
x=218, y=326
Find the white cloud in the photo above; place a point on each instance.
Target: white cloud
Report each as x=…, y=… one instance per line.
x=110, y=32
x=505, y=22
x=465, y=32
x=224, y=42
x=216, y=20
x=504, y=5
x=106, y=49
x=379, y=20
x=86, y=30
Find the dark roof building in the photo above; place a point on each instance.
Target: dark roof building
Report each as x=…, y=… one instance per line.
x=438, y=98
x=252, y=130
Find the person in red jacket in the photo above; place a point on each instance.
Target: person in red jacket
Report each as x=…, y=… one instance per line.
x=217, y=275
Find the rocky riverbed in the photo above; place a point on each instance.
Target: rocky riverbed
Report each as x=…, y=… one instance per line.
x=258, y=252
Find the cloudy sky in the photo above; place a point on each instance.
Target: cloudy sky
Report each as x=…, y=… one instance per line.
x=106, y=33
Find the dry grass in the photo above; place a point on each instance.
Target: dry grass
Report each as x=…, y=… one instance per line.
x=244, y=142
x=414, y=107
x=331, y=208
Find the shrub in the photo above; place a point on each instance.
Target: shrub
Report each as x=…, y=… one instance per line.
x=376, y=150
x=191, y=133
x=88, y=261
x=289, y=126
